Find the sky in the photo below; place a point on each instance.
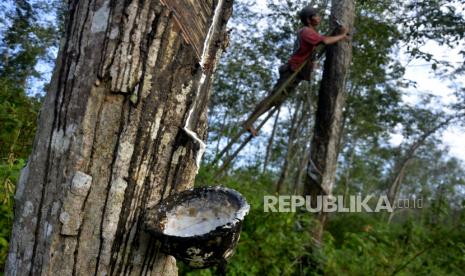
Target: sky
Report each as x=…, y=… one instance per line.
x=427, y=82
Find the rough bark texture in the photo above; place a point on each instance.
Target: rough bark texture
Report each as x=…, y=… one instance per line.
x=321, y=169
x=121, y=128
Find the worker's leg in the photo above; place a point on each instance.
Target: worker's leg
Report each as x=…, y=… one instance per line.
x=274, y=98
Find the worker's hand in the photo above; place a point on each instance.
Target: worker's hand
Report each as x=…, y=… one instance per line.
x=345, y=33
x=347, y=37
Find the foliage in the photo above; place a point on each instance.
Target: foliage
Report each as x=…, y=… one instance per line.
x=18, y=114
x=25, y=42
x=270, y=243
x=356, y=245
x=9, y=175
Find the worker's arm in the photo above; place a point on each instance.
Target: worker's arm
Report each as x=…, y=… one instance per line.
x=333, y=39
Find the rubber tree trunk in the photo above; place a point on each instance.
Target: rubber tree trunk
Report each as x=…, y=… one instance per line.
x=121, y=128
x=324, y=150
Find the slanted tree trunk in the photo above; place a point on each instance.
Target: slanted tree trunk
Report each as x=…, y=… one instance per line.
x=404, y=161
x=269, y=148
x=120, y=129
x=324, y=150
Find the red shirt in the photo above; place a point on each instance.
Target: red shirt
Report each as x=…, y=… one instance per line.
x=306, y=42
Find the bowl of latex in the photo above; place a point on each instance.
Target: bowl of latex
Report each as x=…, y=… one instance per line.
x=200, y=226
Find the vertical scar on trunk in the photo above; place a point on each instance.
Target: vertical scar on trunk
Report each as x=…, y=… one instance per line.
x=206, y=62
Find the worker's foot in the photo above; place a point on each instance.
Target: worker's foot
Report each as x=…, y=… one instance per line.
x=251, y=130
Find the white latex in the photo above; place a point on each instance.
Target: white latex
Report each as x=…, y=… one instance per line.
x=198, y=217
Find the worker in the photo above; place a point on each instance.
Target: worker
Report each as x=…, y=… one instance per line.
x=306, y=41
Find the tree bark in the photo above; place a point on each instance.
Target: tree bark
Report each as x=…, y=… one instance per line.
x=321, y=169
x=120, y=129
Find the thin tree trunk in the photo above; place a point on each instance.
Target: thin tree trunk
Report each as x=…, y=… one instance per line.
x=295, y=123
x=121, y=128
x=399, y=173
x=304, y=150
x=269, y=148
x=352, y=142
x=301, y=171
x=347, y=174
x=321, y=169
x=436, y=214
x=222, y=129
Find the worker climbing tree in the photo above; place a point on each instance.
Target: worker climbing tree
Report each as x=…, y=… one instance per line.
x=299, y=66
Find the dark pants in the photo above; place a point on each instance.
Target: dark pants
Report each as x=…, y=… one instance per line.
x=276, y=96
